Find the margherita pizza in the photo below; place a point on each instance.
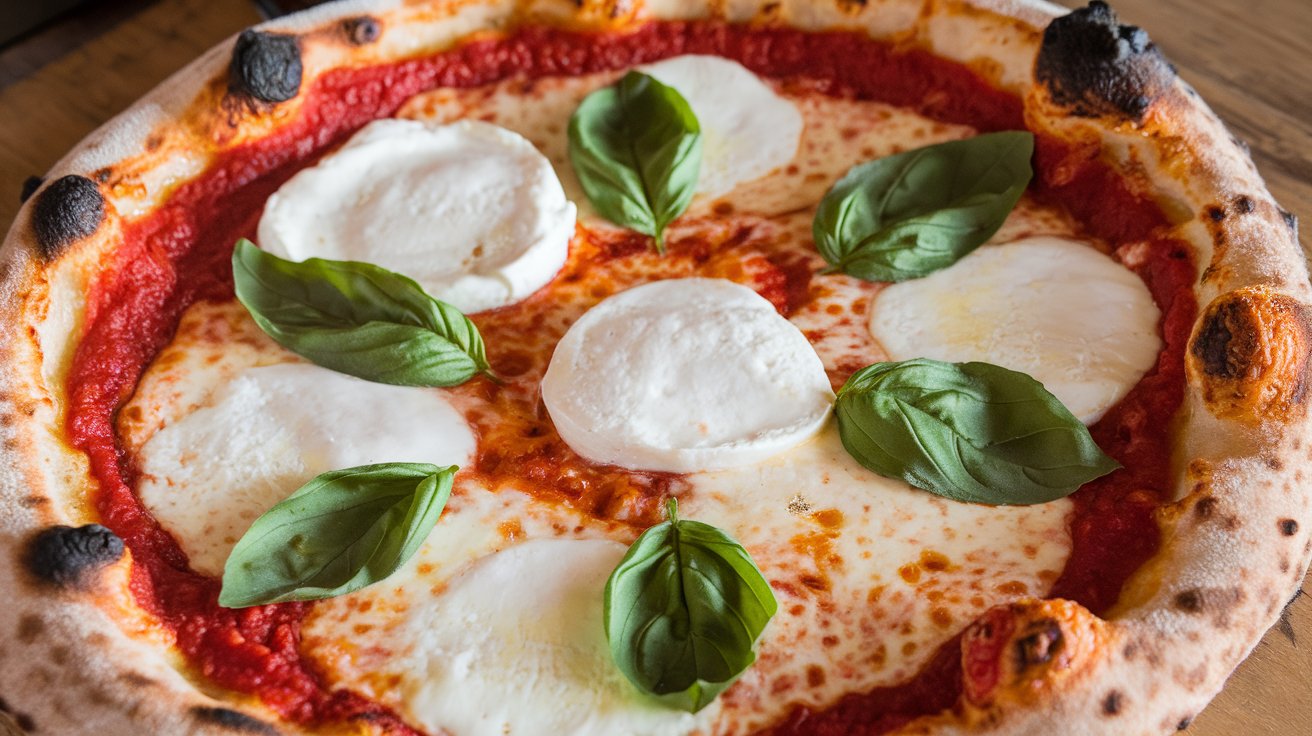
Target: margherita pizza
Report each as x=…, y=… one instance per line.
x=653, y=368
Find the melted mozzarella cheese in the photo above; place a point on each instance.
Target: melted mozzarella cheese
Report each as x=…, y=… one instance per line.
x=470, y=211
x=684, y=375
x=871, y=576
x=271, y=429
x=494, y=627
x=1074, y=319
x=747, y=130
x=516, y=644
x=837, y=133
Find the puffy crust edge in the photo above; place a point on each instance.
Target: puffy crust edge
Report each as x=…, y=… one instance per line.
x=1241, y=503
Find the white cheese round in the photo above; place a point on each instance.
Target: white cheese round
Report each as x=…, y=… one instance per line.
x=271, y=429
x=516, y=645
x=472, y=212
x=747, y=130
x=685, y=375
x=1077, y=321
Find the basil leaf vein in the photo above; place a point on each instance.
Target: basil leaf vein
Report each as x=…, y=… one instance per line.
x=637, y=150
x=683, y=612
x=972, y=432
x=340, y=532
x=913, y=213
x=357, y=318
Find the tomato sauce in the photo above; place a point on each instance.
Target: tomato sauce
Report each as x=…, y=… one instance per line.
x=180, y=254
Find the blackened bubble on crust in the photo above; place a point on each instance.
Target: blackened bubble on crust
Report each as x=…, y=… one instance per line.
x=22, y=720
x=1190, y=601
x=1214, y=343
x=265, y=66
x=1111, y=705
x=1288, y=527
x=1291, y=222
x=1039, y=646
x=1184, y=723
x=30, y=185
x=362, y=30
x=232, y=720
x=65, y=555
x=1096, y=66
x=66, y=211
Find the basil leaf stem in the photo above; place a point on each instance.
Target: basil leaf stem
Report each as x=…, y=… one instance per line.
x=357, y=318
x=907, y=215
x=969, y=431
x=637, y=149
x=336, y=534
x=683, y=611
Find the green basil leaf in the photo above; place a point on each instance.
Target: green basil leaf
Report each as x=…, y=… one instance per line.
x=908, y=215
x=338, y=533
x=968, y=431
x=637, y=150
x=684, y=609
x=358, y=319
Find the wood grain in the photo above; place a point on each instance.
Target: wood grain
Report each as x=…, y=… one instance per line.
x=1248, y=59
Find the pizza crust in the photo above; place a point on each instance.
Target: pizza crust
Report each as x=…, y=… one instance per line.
x=77, y=660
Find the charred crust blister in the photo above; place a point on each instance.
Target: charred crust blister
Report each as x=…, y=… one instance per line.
x=1288, y=527
x=1291, y=222
x=362, y=30
x=67, y=211
x=265, y=66
x=232, y=720
x=1094, y=65
x=30, y=185
x=66, y=556
x=22, y=720
x=1112, y=703
x=1213, y=346
x=1190, y=601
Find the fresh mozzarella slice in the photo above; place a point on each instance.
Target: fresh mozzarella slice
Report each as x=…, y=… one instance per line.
x=471, y=211
x=685, y=375
x=1071, y=317
x=516, y=645
x=747, y=130
x=206, y=477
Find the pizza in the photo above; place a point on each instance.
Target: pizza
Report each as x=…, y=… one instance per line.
x=814, y=367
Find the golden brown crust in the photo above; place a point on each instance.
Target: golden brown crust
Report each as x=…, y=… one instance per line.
x=1184, y=621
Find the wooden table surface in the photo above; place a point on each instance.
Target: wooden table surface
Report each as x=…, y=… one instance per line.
x=1248, y=58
